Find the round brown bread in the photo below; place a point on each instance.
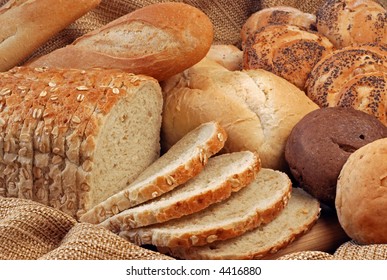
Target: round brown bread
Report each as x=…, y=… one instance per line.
x=277, y=15
x=361, y=199
x=349, y=22
x=322, y=141
x=352, y=77
x=285, y=50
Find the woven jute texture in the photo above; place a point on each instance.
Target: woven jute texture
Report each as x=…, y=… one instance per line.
x=30, y=231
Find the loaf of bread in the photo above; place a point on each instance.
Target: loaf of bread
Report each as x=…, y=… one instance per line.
x=71, y=138
x=352, y=77
x=229, y=56
x=26, y=25
x=175, y=167
x=257, y=108
x=297, y=218
x=220, y=178
x=277, y=15
x=256, y=204
x=158, y=40
x=286, y=50
x=321, y=142
x=349, y=22
x=361, y=194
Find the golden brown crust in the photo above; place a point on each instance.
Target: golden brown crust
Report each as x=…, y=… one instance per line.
x=350, y=22
x=186, y=205
x=190, y=37
x=25, y=18
x=287, y=51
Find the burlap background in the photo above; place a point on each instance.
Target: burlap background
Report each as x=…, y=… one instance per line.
x=29, y=230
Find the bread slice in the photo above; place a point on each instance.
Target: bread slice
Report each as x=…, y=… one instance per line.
x=258, y=203
x=298, y=217
x=222, y=176
x=180, y=163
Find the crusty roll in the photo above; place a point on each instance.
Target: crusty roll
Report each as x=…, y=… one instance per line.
x=158, y=40
x=347, y=22
x=26, y=25
x=361, y=194
x=70, y=138
x=257, y=108
x=228, y=56
x=277, y=15
x=352, y=77
x=287, y=51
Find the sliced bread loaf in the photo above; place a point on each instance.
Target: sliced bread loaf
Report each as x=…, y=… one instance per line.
x=297, y=218
x=222, y=176
x=180, y=163
x=259, y=202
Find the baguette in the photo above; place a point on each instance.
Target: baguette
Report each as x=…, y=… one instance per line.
x=26, y=25
x=158, y=40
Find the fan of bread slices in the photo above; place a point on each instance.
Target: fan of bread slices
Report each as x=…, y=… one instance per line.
x=228, y=208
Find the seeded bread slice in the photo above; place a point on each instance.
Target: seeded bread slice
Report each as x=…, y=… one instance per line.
x=258, y=203
x=179, y=164
x=222, y=176
x=297, y=218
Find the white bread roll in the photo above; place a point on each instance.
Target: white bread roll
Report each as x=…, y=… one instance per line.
x=228, y=56
x=70, y=139
x=257, y=108
x=26, y=25
x=153, y=41
x=361, y=197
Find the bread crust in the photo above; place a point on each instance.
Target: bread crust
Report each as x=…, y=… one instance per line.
x=199, y=200
x=24, y=18
x=190, y=37
x=143, y=190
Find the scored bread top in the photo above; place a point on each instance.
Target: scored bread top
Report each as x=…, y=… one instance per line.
x=296, y=219
x=258, y=203
x=223, y=175
x=180, y=163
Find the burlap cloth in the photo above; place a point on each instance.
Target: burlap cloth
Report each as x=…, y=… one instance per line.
x=29, y=230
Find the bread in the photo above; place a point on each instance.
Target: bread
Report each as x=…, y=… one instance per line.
x=286, y=50
x=70, y=138
x=223, y=175
x=182, y=162
x=257, y=108
x=295, y=220
x=361, y=196
x=26, y=25
x=263, y=200
x=152, y=40
x=229, y=56
x=352, y=77
x=277, y=15
x=321, y=142
x=352, y=22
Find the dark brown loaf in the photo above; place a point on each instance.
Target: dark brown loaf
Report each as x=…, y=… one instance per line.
x=70, y=138
x=285, y=50
x=348, y=22
x=159, y=40
x=26, y=25
x=321, y=142
x=352, y=77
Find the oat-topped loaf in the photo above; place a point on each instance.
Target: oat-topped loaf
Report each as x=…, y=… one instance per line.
x=70, y=138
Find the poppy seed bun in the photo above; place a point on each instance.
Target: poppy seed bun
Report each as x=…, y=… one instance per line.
x=361, y=199
x=321, y=142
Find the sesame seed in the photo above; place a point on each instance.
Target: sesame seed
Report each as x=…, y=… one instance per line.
x=54, y=97
x=76, y=119
x=5, y=91
x=51, y=84
x=116, y=90
x=82, y=88
x=80, y=97
x=43, y=93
